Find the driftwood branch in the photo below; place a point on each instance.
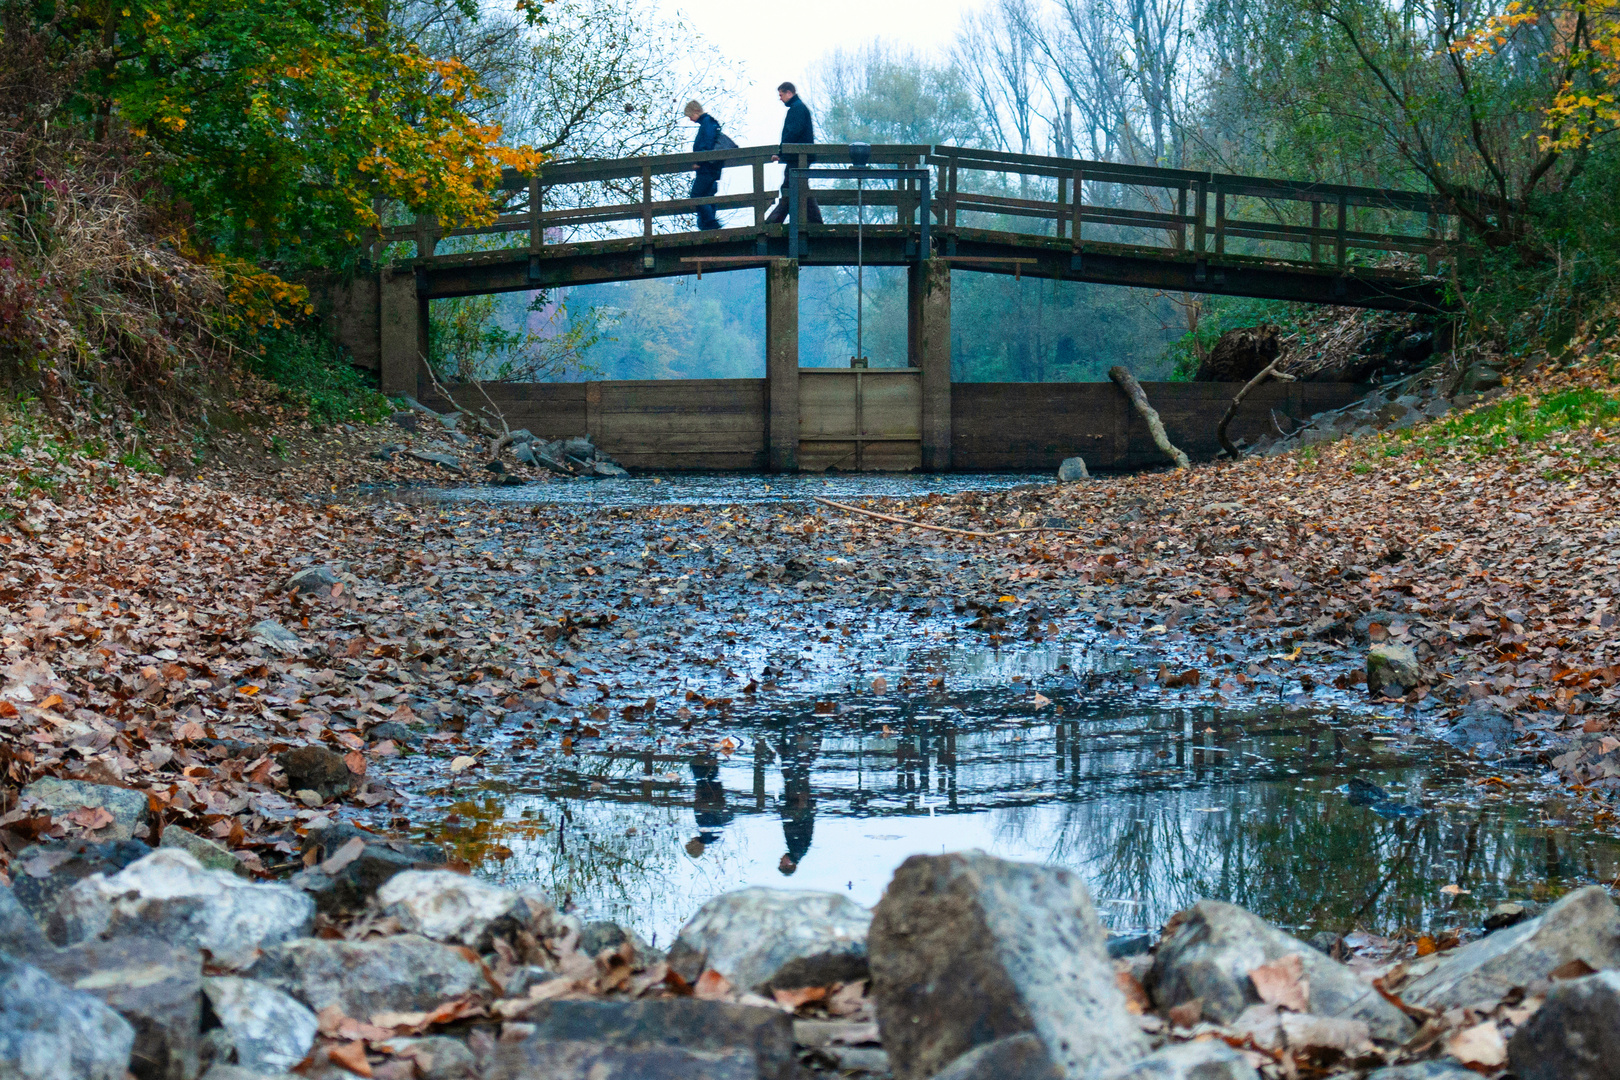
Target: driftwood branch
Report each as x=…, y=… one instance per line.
x=1133, y=390
x=848, y=509
x=1231, y=410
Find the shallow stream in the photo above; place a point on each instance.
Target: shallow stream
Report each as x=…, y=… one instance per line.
x=880, y=733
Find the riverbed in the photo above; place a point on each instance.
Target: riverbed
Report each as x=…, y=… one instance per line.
x=745, y=719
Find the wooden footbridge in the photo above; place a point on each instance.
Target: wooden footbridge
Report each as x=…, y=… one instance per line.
x=934, y=210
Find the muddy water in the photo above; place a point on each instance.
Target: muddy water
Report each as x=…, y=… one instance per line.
x=826, y=778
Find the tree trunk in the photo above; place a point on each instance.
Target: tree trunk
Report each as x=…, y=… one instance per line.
x=1133, y=390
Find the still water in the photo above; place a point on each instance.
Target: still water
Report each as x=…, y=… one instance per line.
x=1052, y=753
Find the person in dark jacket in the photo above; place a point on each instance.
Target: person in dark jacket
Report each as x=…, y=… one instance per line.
x=707, y=180
x=796, y=128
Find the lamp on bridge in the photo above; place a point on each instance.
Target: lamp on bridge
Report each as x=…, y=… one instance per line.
x=860, y=154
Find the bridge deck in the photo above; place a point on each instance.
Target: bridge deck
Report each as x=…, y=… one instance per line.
x=1156, y=228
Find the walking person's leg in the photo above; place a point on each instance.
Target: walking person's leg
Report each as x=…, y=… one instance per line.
x=779, y=212
x=703, y=185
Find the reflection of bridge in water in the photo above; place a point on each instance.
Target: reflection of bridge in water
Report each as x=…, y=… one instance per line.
x=950, y=208
x=1155, y=808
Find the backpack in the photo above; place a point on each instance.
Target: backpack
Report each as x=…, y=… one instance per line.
x=722, y=141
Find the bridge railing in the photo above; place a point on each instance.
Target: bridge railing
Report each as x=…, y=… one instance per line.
x=1072, y=202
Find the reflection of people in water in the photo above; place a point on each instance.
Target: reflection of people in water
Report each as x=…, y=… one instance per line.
x=710, y=800
x=798, y=755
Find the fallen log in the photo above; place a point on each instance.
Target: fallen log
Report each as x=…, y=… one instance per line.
x=1133, y=390
x=1231, y=410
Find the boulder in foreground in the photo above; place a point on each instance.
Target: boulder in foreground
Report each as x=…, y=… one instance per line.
x=48, y=1032
x=775, y=939
x=966, y=949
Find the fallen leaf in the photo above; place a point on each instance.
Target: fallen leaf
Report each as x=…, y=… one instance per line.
x=91, y=817
x=1283, y=983
x=1137, y=1002
x=351, y=1056
x=1481, y=1044
x=712, y=986
x=793, y=1000
x=1041, y=701
x=462, y=764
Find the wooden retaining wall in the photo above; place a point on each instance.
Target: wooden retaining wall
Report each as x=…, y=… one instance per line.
x=722, y=424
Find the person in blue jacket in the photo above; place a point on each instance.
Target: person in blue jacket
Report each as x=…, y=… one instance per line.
x=707, y=180
x=796, y=128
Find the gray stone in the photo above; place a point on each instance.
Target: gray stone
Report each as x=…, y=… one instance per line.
x=433, y=457
x=521, y=436
x=1584, y=925
x=1016, y=1057
x=966, y=949
x=759, y=1040
x=345, y=879
x=1504, y=915
x=1392, y=669
x=269, y=1032
x=1575, y=1035
x=272, y=635
x=48, y=1032
x=212, y=856
x=1435, y=408
x=575, y=1059
x=525, y=453
x=603, y=934
x=169, y=895
x=62, y=797
x=607, y=468
x=40, y=875
x=436, y=1057
x=156, y=988
x=775, y=939
x=315, y=768
x=447, y=906
x=1424, y=1070
x=580, y=447
x=408, y=973
x=1482, y=731
x=1072, y=469
x=1480, y=377
x=20, y=935
x=312, y=579
x=219, y=1071
x=1215, y=946
x=1207, y=1059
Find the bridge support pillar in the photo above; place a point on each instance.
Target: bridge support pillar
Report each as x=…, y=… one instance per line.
x=928, y=347
x=782, y=364
x=402, y=334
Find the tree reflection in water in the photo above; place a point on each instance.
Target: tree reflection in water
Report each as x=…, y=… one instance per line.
x=1157, y=809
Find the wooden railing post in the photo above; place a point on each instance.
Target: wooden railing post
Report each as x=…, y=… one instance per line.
x=1220, y=223
x=1200, y=217
x=427, y=236
x=1062, y=201
x=537, y=231
x=1316, y=225
x=759, y=192
x=1181, y=212
x=1340, y=253
x=1434, y=237
x=1079, y=205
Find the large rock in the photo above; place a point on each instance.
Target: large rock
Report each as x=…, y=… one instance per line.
x=408, y=973
x=48, y=1032
x=40, y=875
x=20, y=935
x=1392, y=669
x=1210, y=953
x=353, y=865
x=169, y=895
x=1208, y=1059
x=155, y=987
x=1482, y=731
x=435, y=1057
x=1073, y=469
x=62, y=797
x=729, y=1038
x=1016, y=1057
x=312, y=579
x=447, y=906
x=1584, y=925
x=317, y=769
x=966, y=949
x=1424, y=1070
x=775, y=939
x=1575, y=1035
x=268, y=1031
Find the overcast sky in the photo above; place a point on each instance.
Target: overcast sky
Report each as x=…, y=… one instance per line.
x=778, y=41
